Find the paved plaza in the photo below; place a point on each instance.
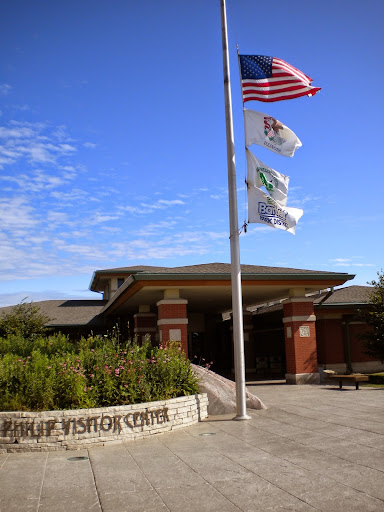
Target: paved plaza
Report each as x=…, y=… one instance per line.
x=313, y=448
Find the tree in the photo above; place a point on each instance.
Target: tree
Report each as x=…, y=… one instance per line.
x=374, y=317
x=25, y=320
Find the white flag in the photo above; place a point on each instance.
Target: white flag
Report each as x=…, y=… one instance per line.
x=262, y=209
x=259, y=174
x=266, y=131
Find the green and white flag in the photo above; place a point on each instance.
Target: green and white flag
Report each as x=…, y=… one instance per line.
x=259, y=174
x=263, y=209
x=267, y=131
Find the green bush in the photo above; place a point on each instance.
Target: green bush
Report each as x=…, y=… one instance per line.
x=49, y=372
x=24, y=320
x=376, y=378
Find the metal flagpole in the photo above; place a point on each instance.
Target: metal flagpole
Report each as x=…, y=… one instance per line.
x=237, y=308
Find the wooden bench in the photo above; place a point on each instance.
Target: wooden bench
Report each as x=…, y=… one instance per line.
x=354, y=378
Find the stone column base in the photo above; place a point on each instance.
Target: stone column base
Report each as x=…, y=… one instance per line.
x=302, y=378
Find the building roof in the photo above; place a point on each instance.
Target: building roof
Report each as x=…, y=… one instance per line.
x=206, y=268
x=347, y=295
x=341, y=297
x=207, y=287
x=99, y=277
x=225, y=268
x=68, y=312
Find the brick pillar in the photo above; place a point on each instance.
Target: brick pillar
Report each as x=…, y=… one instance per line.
x=145, y=323
x=300, y=341
x=172, y=321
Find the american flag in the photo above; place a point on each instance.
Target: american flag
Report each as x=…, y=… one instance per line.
x=271, y=79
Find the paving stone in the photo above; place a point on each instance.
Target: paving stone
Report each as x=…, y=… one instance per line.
x=202, y=497
x=343, y=499
x=143, y=501
x=115, y=470
x=22, y=476
x=255, y=494
x=19, y=505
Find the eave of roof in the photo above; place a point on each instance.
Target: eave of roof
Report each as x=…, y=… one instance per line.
x=332, y=305
x=304, y=277
x=121, y=271
x=262, y=276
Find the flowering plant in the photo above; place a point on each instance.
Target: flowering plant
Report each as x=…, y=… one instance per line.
x=52, y=373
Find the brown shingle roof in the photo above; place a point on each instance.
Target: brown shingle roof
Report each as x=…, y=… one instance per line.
x=347, y=295
x=353, y=295
x=130, y=270
x=68, y=312
x=225, y=268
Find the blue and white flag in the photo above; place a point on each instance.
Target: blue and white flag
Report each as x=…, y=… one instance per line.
x=262, y=209
x=267, y=131
x=259, y=175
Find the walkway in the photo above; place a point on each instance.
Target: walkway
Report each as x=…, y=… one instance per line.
x=314, y=448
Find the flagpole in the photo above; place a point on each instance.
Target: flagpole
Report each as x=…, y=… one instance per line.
x=237, y=308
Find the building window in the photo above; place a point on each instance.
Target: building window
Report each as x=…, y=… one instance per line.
x=120, y=281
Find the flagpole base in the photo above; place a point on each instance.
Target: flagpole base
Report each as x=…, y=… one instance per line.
x=242, y=418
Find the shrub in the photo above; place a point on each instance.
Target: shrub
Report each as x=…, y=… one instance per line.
x=24, y=320
x=52, y=373
x=374, y=317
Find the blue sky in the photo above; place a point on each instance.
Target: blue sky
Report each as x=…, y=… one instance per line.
x=113, y=149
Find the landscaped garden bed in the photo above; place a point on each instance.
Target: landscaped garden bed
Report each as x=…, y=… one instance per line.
x=57, y=393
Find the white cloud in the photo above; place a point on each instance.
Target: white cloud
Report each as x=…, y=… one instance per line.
x=5, y=89
x=70, y=197
x=350, y=262
x=172, y=202
x=162, y=203
x=16, y=214
x=36, y=142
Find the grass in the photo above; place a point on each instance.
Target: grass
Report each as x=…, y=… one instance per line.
x=376, y=380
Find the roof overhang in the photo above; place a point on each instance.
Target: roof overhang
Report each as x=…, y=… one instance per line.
x=212, y=293
x=342, y=305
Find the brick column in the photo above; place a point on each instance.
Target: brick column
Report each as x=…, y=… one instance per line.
x=172, y=321
x=300, y=341
x=145, y=323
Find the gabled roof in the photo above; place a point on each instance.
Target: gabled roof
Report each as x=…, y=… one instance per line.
x=68, y=312
x=342, y=297
x=212, y=271
x=99, y=276
x=210, y=268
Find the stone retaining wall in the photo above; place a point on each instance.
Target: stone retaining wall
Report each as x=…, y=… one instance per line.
x=75, y=429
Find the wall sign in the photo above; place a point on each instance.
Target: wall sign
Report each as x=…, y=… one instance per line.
x=304, y=331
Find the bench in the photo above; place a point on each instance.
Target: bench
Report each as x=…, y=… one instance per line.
x=354, y=378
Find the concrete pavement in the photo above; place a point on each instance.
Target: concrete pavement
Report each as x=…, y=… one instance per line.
x=314, y=448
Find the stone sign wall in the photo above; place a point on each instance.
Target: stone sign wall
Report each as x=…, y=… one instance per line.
x=74, y=429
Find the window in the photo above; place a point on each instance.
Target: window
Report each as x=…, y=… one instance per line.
x=120, y=281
